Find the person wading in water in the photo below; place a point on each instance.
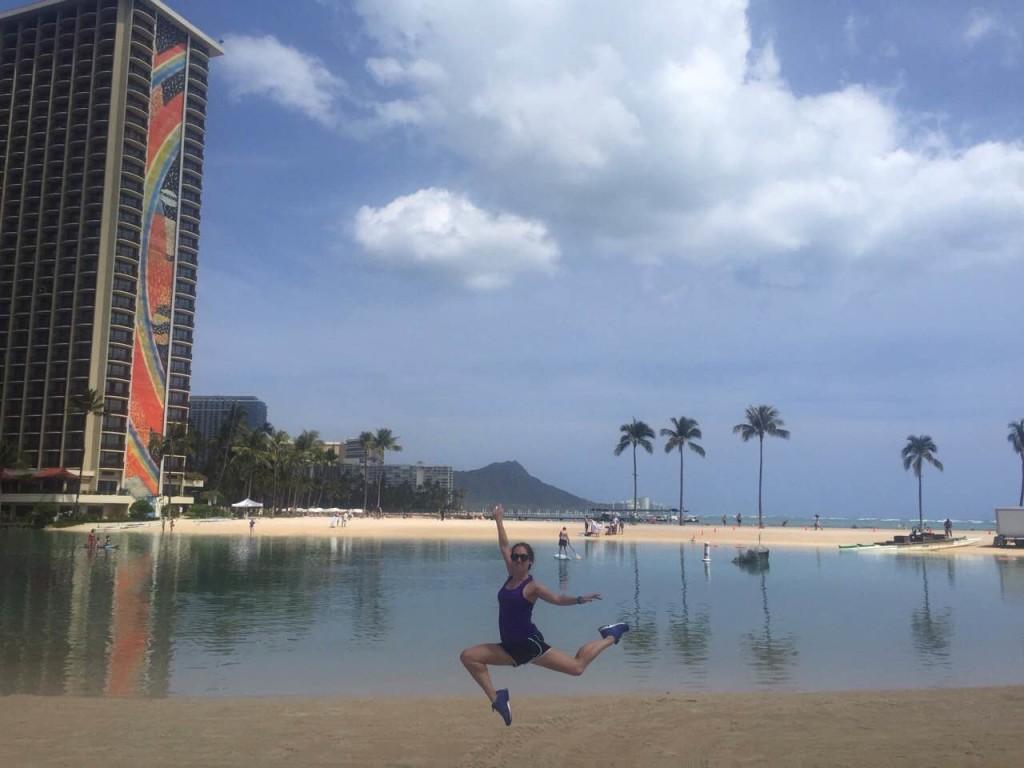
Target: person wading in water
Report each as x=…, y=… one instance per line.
x=521, y=641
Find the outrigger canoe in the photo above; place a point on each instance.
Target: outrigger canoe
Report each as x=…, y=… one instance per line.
x=916, y=546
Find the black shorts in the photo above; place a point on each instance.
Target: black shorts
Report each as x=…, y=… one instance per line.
x=525, y=651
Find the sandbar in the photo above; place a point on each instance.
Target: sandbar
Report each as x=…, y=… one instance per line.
x=540, y=532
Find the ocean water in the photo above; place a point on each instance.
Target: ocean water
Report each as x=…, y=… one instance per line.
x=218, y=616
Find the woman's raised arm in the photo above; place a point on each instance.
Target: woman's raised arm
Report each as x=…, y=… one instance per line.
x=506, y=552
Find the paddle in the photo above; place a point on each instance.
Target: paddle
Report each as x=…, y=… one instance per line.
x=574, y=550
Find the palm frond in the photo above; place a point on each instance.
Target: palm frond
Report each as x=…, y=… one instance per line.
x=699, y=450
x=1016, y=436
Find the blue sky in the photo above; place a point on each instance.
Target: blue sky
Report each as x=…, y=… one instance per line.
x=502, y=230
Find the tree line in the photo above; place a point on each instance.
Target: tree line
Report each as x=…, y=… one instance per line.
x=762, y=421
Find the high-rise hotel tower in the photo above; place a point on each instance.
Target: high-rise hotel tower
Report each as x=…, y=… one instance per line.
x=102, y=124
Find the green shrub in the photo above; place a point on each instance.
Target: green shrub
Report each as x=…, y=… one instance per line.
x=44, y=513
x=141, y=510
x=201, y=511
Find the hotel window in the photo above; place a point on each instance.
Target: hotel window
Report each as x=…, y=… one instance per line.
x=111, y=459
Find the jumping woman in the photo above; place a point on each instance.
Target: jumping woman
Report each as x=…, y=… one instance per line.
x=521, y=642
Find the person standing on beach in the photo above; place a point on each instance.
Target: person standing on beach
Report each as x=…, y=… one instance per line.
x=948, y=528
x=739, y=519
x=521, y=641
x=252, y=525
x=817, y=521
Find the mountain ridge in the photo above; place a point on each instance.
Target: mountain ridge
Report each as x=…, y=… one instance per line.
x=508, y=483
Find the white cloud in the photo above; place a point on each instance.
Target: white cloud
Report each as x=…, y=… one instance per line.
x=990, y=28
x=979, y=25
x=663, y=132
x=851, y=32
x=263, y=66
x=390, y=71
x=438, y=230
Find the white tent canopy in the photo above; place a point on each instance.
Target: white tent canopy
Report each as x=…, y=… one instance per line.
x=247, y=504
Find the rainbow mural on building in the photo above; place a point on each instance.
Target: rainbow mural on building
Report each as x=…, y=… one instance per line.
x=147, y=402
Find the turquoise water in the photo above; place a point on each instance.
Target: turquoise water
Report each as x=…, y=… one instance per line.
x=218, y=616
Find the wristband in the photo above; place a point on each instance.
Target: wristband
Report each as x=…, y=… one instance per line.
x=579, y=599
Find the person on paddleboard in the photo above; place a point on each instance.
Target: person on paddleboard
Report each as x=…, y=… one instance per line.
x=521, y=641
x=563, y=544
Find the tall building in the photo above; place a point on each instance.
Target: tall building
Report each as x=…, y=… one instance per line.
x=209, y=413
x=418, y=475
x=102, y=125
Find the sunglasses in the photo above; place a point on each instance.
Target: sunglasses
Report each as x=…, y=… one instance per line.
x=520, y=557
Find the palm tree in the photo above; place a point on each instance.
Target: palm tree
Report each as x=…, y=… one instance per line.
x=383, y=442
x=919, y=449
x=1016, y=438
x=366, y=442
x=683, y=432
x=250, y=455
x=308, y=448
x=177, y=442
x=633, y=434
x=280, y=451
x=761, y=420
x=229, y=433
x=88, y=403
x=9, y=458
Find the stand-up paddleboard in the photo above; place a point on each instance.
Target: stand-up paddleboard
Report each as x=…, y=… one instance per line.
x=561, y=557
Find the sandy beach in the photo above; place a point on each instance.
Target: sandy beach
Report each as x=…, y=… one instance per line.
x=539, y=532
x=964, y=727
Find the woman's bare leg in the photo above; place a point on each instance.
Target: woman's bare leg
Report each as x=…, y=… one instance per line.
x=560, y=661
x=476, y=661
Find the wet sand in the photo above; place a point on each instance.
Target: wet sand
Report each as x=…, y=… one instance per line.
x=538, y=532
x=951, y=727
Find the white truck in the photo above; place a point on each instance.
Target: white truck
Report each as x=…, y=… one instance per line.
x=1009, y=527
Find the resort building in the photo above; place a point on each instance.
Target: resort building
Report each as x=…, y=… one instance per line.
x=102, y=125
x=209, y=413
x=416, y=475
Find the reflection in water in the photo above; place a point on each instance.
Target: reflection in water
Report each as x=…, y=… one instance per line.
x=690, y=635
x=94, y=623
x=181, y=615
x=772, y=656
x=932, y=629
x=1011, y=579
x=369, y=609
x=643, y=628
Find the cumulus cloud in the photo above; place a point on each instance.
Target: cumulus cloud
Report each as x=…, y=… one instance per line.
x=264, y=66
x=664, y=132
x=438, y=230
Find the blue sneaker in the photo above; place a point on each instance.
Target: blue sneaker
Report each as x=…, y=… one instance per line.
x=616, y=630
x=502, y=707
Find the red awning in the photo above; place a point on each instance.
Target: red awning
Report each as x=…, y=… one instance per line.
x=54, y=473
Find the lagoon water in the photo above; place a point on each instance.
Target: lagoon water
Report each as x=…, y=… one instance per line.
x=217, y=616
